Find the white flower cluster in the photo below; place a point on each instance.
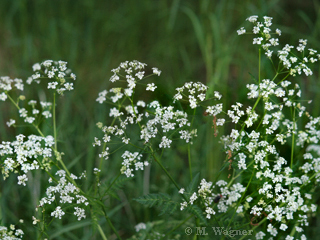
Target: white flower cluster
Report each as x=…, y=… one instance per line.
x=288, y=59
x=30, y=115
x=155, y=121
x=166, y=119
x=283, y=185
x=133, y=72
x=148, y=230
x=140, y=226
x=132, y=160
x=57, y=73
x=24, y=156
x=67, y=193
x=275, y=99
x=195, y=93
x=282, y=196
x=10, y=234
x=35, y=112
x=7, y=84
x=213, y=201
x=285, y=195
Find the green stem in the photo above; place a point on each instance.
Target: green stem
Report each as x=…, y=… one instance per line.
x=259, y=65
x=101, y=161
x=16, y=105
x=54, y=122
x=293, y=136
x=59, y=158
x=256, y=226
x=283, y=79
x=110, y=224
x=179, y=225
x=100, y=167
x=189, y=152
x=101, y=232
x=240, y=199
x=111, y=184
x=293, y=231
x=253, y=108
x=198, y=225
x=66, y=169
x=239, y=174
x=40, y=132
x=189, y=159
x=258, y=99
x=165, y=170
x=262, y=221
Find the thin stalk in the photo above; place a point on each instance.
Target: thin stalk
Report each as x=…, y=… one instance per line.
x=259, y=65
x=240, y=200
x=59, y=158
x=293, y=136
x=254, y=106
x=198, y=226
x=262, y=221
x=283, y=79
x=110, y=223
x=189, y=159
x=100, y=167
x=179, y=225
x=189, y=152
x=54, y=122
x=65, y=168
x=293, y=231
x=16, y=105
x=238, y=175
x=101, y=161
x=111, y=184
x=165, y=170
x=101, y=232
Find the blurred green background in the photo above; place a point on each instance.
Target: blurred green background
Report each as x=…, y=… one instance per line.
x=187, y=40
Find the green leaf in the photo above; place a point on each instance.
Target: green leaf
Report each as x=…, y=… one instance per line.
x=193, y=185
x=194, y=209
x=116, y=185
x=160, y=200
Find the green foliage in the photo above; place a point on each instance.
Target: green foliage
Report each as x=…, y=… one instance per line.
x=196, y=210
x=116, y=185
x=161, y=200
x=193, y=185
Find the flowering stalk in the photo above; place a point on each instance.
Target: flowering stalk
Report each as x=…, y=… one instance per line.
x=102, y=233
x=189, y=151
x=243, y=194
x=110, y=224
x=165, y=170
x=293, y=135
x=190, y=163
x=54, y=123
x=259, y=72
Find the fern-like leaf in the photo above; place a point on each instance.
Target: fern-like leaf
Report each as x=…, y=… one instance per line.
x=116, y=185
x=193, y=185
x=194, y=209
x=160, y=200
